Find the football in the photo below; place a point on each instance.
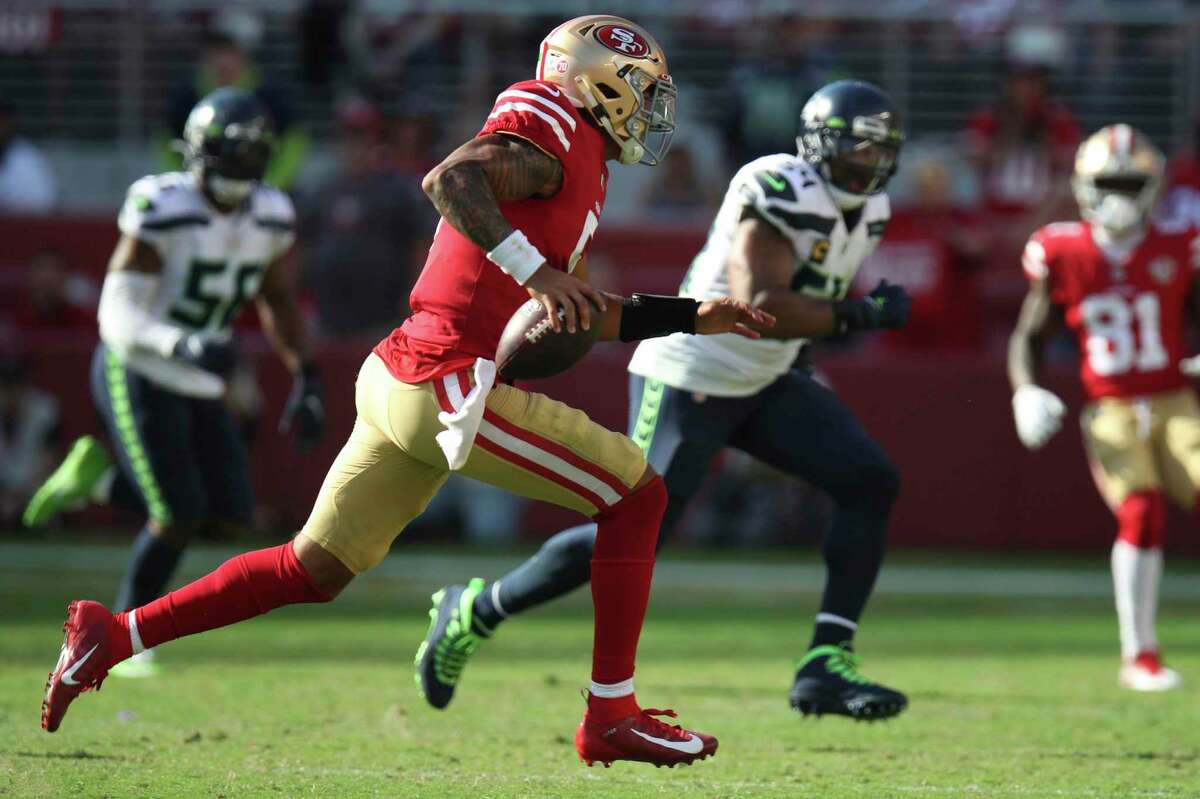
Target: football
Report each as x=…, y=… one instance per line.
x=529, y=348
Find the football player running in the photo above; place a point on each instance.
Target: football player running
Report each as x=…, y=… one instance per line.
x=789, y=237
x=195, y=246
x=519, y=204
x=1125, y=284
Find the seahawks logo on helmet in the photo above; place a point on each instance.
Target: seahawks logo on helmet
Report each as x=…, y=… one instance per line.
x=851, y=133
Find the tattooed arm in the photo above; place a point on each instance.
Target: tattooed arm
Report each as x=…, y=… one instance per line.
x=469, y=185
x=467, y=189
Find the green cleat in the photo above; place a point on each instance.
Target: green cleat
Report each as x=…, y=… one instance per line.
x=454, y=635
x=70, y=487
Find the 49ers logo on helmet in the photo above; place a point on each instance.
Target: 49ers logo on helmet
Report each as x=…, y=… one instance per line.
x=622, y=40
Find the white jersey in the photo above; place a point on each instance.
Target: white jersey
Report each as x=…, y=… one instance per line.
x=792, y=196
x=212, y=263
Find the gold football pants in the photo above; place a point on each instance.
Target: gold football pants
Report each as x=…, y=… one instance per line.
x=1144, y=444
x=392, y=466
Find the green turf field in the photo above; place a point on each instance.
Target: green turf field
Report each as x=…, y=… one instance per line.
x=1012, y=695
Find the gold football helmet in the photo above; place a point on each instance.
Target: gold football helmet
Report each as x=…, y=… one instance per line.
x=1118, y=175
x=616, y=70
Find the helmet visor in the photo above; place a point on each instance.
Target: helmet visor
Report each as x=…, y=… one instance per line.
x=653, y=124
x=861, y=166
x=1124, y=184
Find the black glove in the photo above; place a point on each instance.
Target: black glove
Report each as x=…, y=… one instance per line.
x=304, y=412
x=205, y=353
x=887, y=306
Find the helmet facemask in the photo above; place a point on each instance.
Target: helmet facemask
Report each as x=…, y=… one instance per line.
x=645, y=134
x=857, y=165
x=1117, y=190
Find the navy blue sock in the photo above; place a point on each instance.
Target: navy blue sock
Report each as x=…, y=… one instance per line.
x=562, y=564
x=151, y=564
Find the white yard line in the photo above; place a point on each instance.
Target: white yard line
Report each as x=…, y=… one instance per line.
x=425, y=569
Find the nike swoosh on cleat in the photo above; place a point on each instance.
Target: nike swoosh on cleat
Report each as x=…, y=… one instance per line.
x=692, y=746
x=68, y=676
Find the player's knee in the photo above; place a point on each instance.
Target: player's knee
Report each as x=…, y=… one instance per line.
x=885, y=479
x=648, y=497
x=648, y=476
x=1141, y=519
x=328, y=574
x=874, y=485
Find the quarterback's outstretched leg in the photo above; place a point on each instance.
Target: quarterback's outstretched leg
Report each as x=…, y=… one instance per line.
x=243, y=587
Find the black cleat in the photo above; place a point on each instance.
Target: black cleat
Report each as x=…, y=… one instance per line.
x=453, y=637
x=827, y=681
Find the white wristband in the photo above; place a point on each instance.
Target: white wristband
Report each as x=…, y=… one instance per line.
x=516, y=257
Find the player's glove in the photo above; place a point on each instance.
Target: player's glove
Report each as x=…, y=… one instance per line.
x=887, y=306
x=304, y=413
x=205, y=353
x=1190, y=366
x=1038, y=413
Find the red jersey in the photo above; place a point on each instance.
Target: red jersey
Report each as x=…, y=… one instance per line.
x=462, y=301
x=1128, y=316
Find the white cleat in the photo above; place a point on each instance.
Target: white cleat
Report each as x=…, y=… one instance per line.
x=139, y=667
x=1147, y=673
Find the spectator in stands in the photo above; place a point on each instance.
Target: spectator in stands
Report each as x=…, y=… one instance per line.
x=27, y=182
x=1181, y=198
x=933, y=249
x=29, y=437
x=226, y=61
x=678, y=191
x=56, y=300
x=779, y=65
x=363, y=230
x=1024, y=146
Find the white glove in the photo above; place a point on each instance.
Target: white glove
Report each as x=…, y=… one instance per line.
x=1190, y=366
x=1038, y=413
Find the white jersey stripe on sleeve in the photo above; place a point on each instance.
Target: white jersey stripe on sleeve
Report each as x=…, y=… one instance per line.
x=549, y=120
x=553, y=106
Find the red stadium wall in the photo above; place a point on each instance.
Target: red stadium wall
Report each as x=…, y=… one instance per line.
x=945, y=419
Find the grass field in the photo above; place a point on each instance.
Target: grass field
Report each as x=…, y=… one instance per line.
x=1013, y=695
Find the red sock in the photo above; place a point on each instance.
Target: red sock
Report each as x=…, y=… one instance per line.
x=241, y=588
x=622, y=567
x=1141, y=519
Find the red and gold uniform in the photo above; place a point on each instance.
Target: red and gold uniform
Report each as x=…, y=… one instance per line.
x=424, y=373
x=1127, y=310
x=461, y=301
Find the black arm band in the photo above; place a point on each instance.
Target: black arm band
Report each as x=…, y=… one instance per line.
x=653, y=315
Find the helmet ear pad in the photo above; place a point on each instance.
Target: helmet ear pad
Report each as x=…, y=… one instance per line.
x=612, y=108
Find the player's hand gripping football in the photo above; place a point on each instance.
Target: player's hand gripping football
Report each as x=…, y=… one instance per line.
x=1038, y=413
x=555, y=289
x=727, y=315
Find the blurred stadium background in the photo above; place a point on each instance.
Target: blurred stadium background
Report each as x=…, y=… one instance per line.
x=370, y=94
x=1010, y=654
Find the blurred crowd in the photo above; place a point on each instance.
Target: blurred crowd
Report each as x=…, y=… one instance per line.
x=965, y=200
